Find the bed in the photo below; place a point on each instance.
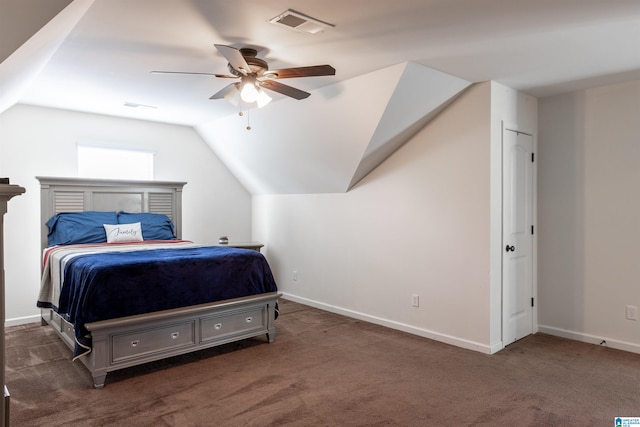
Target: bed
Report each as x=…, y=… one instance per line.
x=121, y=326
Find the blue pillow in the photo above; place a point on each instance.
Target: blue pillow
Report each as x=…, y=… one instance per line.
x=68, y=228
x=154, y=226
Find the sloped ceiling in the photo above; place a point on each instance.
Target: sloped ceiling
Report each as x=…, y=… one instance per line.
x=95, y=56
x=21, y=19
x=27, y=50
x=327, y=147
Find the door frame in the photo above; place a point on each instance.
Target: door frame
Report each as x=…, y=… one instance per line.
x=534, y=219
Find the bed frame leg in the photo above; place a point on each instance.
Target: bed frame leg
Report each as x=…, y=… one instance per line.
x=271, y=336
x=271, y=329
x=45, y=317
x=98, y=380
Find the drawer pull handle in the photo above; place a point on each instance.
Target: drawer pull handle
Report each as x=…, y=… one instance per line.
x=248, y=319
x=174, y=335
x=135, y=343
x=217, y=326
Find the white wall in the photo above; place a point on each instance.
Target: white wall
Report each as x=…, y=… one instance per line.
x=418, y=224
x=427, y=221
x=589, y=210
x=38, y=141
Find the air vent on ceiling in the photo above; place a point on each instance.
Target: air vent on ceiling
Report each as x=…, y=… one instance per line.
x=136, y=105
x=300, y=22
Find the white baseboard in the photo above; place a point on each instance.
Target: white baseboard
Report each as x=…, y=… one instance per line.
x=22, y=320
x=591, y=339
x=447, y=339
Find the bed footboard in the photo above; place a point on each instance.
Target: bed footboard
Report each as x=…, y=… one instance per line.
x=134, y=340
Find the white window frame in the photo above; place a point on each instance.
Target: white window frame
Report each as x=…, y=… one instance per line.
x=103, y=160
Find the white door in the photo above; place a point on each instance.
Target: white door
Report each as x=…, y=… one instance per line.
x=517, y=236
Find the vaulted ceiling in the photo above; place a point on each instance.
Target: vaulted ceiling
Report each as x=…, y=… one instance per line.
x=398, y=64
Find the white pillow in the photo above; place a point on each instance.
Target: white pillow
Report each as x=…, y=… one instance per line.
x=123, y=232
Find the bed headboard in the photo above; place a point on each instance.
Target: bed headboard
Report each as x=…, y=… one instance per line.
x=87, y=194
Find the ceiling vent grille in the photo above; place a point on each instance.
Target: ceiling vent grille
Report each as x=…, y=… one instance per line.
x=300, y=22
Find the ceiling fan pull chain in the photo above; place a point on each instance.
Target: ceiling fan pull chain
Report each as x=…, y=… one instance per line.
x=248, y=117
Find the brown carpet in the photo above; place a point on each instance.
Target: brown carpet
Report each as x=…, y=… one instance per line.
x=328, y=370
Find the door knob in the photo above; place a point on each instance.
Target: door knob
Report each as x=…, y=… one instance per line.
x=510, y=248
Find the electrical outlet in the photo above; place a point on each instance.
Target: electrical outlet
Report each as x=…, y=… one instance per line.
x=631, y=312
x=294, y=275
x=415, y=300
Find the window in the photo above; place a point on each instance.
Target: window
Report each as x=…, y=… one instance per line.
x=95, y=161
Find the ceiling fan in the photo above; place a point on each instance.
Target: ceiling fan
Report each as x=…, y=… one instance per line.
x=254, y=75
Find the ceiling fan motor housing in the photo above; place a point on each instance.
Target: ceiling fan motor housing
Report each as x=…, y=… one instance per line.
x=257, y=66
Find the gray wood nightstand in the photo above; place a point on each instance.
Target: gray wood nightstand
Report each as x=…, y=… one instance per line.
x=255, y=246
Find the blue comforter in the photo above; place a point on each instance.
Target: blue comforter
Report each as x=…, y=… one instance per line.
x=116, y=284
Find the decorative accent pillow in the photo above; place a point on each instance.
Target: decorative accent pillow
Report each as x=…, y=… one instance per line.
x=123, y=232
x=154, y=226
x=69, y=228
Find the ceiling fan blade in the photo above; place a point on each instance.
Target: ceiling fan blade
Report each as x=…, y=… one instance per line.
x=222, y=92
x=284, y=89
x=235, y=58
x=181, y=72
x=312, y=71
x=225, y=76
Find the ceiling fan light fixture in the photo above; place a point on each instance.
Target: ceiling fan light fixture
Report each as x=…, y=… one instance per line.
x=233, y=97
x=249, y=93
x=263, y=98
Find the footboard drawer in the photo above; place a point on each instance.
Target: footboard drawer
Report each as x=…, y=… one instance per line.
x=152, y=341
x=64, y=328
x=232, y=324
x=67, y=330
